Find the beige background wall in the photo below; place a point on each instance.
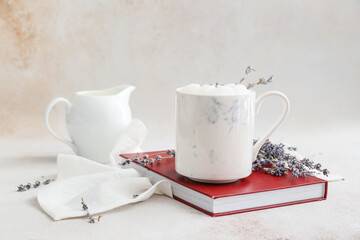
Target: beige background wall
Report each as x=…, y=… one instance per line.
x=54, y=48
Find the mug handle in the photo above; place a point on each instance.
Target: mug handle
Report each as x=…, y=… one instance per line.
x=46, y=118
x=285, y=113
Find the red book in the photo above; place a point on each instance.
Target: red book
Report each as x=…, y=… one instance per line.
x=256, y=192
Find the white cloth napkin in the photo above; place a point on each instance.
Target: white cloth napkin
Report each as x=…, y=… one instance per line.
x=102, y=187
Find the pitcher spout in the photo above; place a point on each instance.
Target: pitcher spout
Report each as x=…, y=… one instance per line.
x=125, y=92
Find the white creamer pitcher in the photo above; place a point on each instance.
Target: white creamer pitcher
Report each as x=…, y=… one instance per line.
x=95, y=120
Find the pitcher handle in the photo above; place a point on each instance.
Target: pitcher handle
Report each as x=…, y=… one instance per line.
x=46, y=118
x=284, y=114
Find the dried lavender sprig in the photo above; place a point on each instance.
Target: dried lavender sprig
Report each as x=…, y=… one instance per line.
x=47, y=181
x=292, y=148
x=148, y=159
x=28, y=186
x=36, y=184
x=88, y=215
x=261, y=81
x=127, y=161
x=84, y=206
x=273, y=160
x=171, y=152
x=21, y=188
x=249, y=69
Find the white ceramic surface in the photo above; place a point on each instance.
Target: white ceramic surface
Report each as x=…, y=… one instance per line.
x=214, y=133
x=95, y=120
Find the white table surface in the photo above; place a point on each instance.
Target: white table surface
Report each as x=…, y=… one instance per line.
x=24, y=160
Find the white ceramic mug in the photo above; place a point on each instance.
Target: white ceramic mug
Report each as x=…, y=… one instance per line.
x=214, y=134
